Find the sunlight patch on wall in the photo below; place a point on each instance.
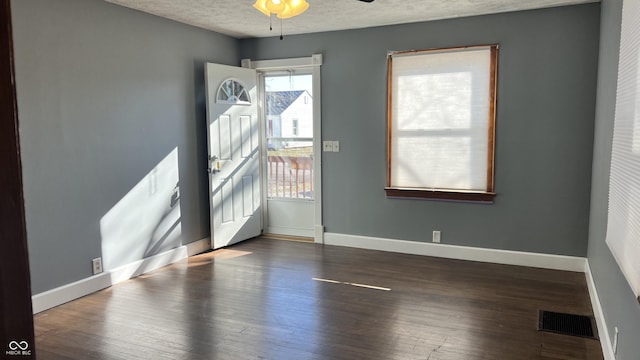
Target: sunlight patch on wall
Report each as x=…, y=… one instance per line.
x=146, y=221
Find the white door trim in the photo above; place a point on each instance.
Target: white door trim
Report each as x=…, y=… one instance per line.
x=314, y=62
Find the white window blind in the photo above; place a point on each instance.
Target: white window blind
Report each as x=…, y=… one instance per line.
x=440, y=119
x=623, y=231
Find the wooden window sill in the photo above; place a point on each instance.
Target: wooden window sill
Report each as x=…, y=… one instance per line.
x=439, y=194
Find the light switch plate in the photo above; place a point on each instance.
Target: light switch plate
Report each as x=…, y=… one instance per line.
x=327, y=146
x=336, y=146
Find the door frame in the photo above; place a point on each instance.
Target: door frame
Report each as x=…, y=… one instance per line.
x=314, y=62
x=16, y=326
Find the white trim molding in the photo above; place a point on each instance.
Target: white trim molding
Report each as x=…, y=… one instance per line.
x=279, y=64
x=508, y=257
x=603, y=330
x=319, y=234
x=287, y=231
x=63, y=294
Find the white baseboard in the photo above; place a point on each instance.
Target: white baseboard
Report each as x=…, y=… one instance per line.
x=603, y=330
x=289, y=231
x=546, y=261
x=60, y=295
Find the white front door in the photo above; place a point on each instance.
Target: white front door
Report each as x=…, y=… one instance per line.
x=233, y=139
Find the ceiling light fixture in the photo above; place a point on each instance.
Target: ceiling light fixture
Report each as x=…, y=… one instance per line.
x=283, y=9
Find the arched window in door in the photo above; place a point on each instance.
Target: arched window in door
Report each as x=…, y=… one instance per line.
x=232, y=91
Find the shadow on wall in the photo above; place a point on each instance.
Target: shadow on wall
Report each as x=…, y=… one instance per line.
x=200, y=107
x=147, y=220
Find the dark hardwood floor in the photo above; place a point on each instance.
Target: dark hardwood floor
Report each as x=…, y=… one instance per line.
x=273, y=299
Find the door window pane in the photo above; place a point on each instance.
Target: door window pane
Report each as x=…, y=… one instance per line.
x=289, y=132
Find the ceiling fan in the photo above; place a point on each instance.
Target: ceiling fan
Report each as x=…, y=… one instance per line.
x=284, y=9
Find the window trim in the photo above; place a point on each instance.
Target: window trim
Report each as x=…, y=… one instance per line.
x=486, y=196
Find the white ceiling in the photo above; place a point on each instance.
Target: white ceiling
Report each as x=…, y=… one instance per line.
x=239, y=19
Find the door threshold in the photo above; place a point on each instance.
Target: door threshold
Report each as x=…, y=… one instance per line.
x=289, y=238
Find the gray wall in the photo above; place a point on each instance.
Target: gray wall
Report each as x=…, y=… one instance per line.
x=104, y=94
x=617, y=299
x=546, y=95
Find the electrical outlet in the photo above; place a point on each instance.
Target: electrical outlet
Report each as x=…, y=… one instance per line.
x=336, y=146
x=97, y=265
x=615, y=340
x=327, y=146
x=436, y=236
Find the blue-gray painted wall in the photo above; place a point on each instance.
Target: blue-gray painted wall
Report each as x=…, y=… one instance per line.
x=618, y=302
x=544, y=137
x=104, y=94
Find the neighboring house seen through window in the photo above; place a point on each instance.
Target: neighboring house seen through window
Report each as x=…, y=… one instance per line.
x=441, y=123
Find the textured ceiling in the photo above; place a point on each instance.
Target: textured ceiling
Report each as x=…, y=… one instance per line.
x=239, y=19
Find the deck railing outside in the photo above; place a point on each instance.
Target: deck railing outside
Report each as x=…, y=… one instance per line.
x=290, y=177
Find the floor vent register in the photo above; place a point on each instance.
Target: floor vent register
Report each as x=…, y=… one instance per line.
x=567, y=324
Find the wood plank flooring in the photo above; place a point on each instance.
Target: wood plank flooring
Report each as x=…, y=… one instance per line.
x=274, y=299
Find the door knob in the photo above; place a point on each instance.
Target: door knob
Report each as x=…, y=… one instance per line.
x=215, y=169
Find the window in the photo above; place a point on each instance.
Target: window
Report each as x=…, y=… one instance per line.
x=441, y=123
x=623, y=221
x=232, y=91
x=294, y=127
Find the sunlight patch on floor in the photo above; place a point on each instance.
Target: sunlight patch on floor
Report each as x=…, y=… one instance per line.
x=228, y=253
x=353, y=284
